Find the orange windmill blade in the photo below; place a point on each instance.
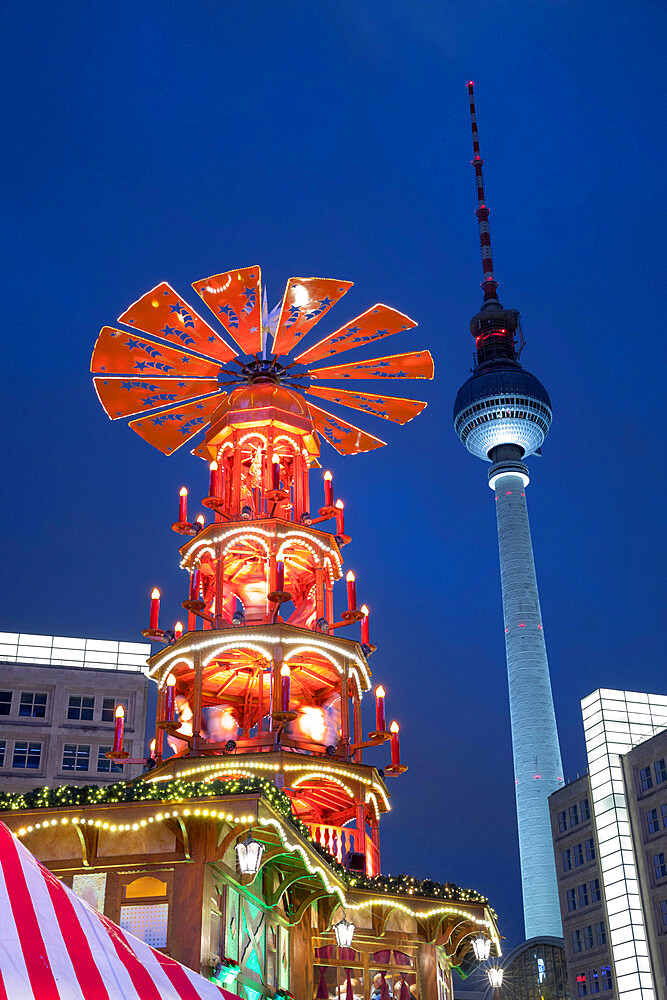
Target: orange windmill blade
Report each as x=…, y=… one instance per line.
x=164, y=314
x=123, y=397
x=118, y=352
x=345, y=438
x=234, y=297
x=393, y=408
x=305, y=302
x=377, y=322
x=416, y=364
x=170, y=429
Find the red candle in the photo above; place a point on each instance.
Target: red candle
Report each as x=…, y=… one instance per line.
x=280, y=574
x=285, y=686
x=170, y=699
x=213, y=480
x=328, y=489
x=365, y=641
x=155, y=608
x=340, y=517
x=178, y=630
x=119, y=729
x=380, y=718
x=183, y=506
x=395, y=750
x=194, y=585
x=275, y=473
x=351, y=592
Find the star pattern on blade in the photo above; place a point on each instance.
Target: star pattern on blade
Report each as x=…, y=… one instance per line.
x=172, y=381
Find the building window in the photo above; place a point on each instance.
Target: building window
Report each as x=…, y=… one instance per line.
x=3, y=747
x=583, y=894
x=578, y=855
x=581, y=984
x=660, y=865
x=664, y=815
x=576, y=941
x=663, y=911
x=645, y=778
x=5, y=702
x=571, y=900
x=106, y=766
x=652, y=821
x=590, y=849
x=562, y=822
x=567, y=859
x=595, y=890
x=585, y=810
x=32, y=705
x=27, y=755
x=109, y=709
x=593, y=981
x=574, y=815
x=80, y=707
x=76, y=757
x=588, y=937
x=605, y=976
x=660, y=771
x=601, y=933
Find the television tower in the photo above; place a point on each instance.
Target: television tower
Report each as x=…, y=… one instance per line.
x=502, y=414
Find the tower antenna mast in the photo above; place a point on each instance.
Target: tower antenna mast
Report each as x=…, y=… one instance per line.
x=489, y=284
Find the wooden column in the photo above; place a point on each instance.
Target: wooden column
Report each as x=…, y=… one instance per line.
x=328, y=600
x=219, y=586
x=236, y=476
x=190, y=938
x=427, y=973
x=357, y=726
x=319, y=592
x=344, y=707
x=197, y=697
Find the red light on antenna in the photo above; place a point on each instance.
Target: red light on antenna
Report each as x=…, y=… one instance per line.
x=471, y=83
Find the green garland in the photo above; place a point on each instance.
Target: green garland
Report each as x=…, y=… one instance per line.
x=65, y=796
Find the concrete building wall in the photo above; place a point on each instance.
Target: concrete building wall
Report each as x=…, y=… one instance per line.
x=585, y=931
x=43, y=742
x=645, y=778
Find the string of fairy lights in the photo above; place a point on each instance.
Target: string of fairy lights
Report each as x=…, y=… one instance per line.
x=178, y=791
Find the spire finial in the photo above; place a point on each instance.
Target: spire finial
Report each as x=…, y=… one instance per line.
x=489, y=284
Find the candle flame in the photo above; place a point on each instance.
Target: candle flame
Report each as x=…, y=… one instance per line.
x=364, y=610
x=380, y=691
x=350, y=577
x=213, y=467
x=201, y=519
x=152, y=747
x=120, y=712
x=339, y=504
x=184, y=491
x=276, y=458
x=171, y=680
x=178, y=628
x=328, y=476
x=155, y=594
x=285, y=670
x=394, y=727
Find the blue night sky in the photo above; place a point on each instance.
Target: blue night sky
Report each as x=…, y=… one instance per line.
x=149, y=141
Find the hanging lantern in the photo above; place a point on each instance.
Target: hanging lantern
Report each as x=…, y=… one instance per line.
x=482, y=948
x=495, y=975
x=344, y=931
x=249, y=855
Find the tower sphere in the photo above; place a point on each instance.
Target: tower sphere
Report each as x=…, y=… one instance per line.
x=500, y=404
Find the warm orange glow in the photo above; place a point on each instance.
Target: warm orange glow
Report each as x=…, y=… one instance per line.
x=184, y=491
x=339, y=504
x=312, y=723
x=350, y=577
x=178, y=628
x=201, y=519
x=155, y=594
x=394, y=727
x=152, y=747
x=276, y=458
x=171, y=680
x=328, y=476
x=285, y=670
x=213, y=467
x=120, y=712
x=380, y=692
x=364, y=610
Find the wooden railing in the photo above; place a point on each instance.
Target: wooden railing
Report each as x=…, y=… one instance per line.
x=339, y=840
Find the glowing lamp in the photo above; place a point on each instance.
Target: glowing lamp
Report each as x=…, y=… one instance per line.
x=344, y=931
x=249, y=855
x=380, y=718
x=495, y=975
x=178, y=630
x=482, y=948
x=395, y=748
x=340, y=517
x=201, y=521
x=351, y=591
x=170, y=699
x=275, y=473
x=155, y=608
x=119, y=729
x=183, y=505
x=365, y=640
x=328, y=490
x=285, y=678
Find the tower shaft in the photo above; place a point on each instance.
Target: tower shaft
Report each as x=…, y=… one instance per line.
x=535, y=748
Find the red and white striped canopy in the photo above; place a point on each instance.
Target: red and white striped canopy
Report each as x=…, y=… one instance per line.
x=54, y=946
